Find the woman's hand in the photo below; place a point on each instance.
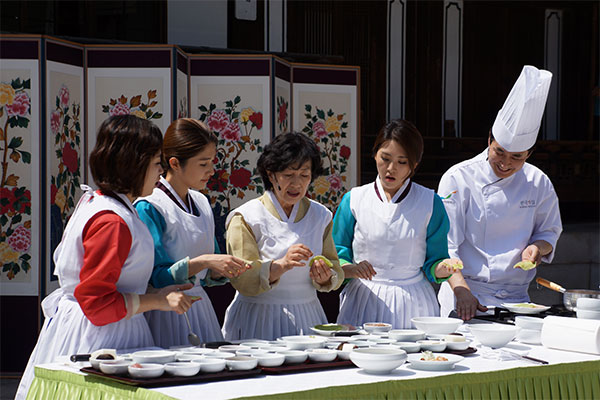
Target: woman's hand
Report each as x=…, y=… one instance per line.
x=466, y=304
x=362, y=270
x=320, y=272
x=219, y=265
x=295, y=257
x=448, y=267
x=172, y=298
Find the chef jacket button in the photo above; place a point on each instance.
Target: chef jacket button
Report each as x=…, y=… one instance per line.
x=501, y=293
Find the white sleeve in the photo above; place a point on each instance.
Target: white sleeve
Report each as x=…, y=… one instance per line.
x=452, y=196
x=547, y=224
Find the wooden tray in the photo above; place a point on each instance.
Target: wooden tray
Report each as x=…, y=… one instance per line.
x=169, y=380
x=308, y=366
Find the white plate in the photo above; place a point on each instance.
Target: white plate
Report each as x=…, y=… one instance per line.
x=518, y=308
x=416, y=362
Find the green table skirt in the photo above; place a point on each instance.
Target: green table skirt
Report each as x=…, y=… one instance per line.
x=560, y=381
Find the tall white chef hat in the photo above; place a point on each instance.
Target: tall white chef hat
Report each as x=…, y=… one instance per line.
x=518, y=121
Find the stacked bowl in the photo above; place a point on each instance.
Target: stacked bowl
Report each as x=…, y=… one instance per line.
x=530, y=331
x=588, y=308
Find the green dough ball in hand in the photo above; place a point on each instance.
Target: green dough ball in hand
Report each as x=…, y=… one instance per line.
x=325, y=260
x=525, y=265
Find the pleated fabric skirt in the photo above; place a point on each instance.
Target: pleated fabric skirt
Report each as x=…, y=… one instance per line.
x=170, y=329
x=70, y=332
x=252, y=320
x=364, y=301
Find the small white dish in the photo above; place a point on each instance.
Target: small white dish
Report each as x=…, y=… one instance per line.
x=378, y=360
x=529, y=336
x=275, y=349
x=588, y=314
x=432, y=345
x=146, y=370
x=525, y=308
x=302, y=342
x=182, y=368
x=366, y=337
x=436, y=336
x=154, y=356
x=294, y=356
x=409, y=347
x=588, y=303
x=114, y=367
x=526, y=322
x=331, y=329
x=241, y=363
x=250, y=352
x=220, y=354
x=255, y=344
x=187, y=357
x=322, y=355
x=210, y=365
x=377, y=327
x=270, y=359
x=231, y=348
x=340, y=339
x=458, y=346
x=416, y=362
x=383, y=341
x=494, y=335
x=432, y=325
x=406, y=335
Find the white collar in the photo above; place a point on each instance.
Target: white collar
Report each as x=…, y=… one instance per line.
x=282, y=215
x=396, y=195
x=170, y=188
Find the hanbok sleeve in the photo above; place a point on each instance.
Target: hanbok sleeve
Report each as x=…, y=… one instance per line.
x=452, y=196
x=241, y=243
x=329, y=252
x=166, y=271
x=343, y=230
x=437, y=240
x=547, y=223
x=106, y=245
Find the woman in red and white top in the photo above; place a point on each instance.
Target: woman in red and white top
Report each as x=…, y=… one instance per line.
x=105, y=258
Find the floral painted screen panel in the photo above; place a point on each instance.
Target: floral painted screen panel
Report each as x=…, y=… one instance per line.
x=128, y=81
x=283, y=97
x=328, y=114
x=20, y=216
x=182, y=86
x=65, y=144
x=237, y=109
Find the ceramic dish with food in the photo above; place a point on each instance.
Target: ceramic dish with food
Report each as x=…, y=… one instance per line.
x=302, y=342
x=322, y=355
x=146, y=370
x=429, y=361
x=332, y=329
x=525, y=308
x=182, y=368
x=377, y=327
x=378, y=360
x=456, y=342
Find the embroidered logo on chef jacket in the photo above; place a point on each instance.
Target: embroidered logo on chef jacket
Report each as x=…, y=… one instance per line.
x=527, y=204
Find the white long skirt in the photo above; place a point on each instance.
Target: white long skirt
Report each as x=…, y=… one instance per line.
x=170, y=329
x=70, y=332
x=252, y=320
x=364, y=301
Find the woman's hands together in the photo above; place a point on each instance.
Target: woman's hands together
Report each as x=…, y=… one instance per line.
x=172, y=298
x=219, y=265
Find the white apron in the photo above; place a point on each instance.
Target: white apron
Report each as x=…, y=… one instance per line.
x=291, y=307
x=67, y=330
x=392, y=238
x=185, y=235
x=492, y=221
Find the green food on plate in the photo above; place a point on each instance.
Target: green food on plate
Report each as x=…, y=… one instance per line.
x=329, y=327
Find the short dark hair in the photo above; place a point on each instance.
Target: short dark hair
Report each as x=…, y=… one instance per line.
x=406, y=134
x=185, y=138
x=289, y=150
x=493, y=139
x=125, y=145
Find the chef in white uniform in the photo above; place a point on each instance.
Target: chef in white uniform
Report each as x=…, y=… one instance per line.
x=502, y=210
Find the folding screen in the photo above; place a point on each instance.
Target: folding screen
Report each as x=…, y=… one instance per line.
x=283, y=96
x=65, y=145
x=325, y=107
x=232, y=94
x=182, y=84
x=21, y=226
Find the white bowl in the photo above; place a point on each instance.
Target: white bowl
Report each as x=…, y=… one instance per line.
x=241, y=363
x=182, y=368
x=588, y=303
x=377, y=327
x=250, y=352
x=494, y=335
x=302, y=342
x=529, y=336
x=147, y=370
x=433, y=345
x=406, y=335
x=458, y=345
x=255, y=344
x=96, y=362
x=220, y=354
x=294, y=356
x=365, y=337
x=409, y=347
x=431, y=325
x=378, y=360
x=154, y=356
x=114, y=367
x=231, y=348
x=270, y=359
x=525, y=322
x=197, y=351
x=210, y=365
x=275, y=349
x=588, y=314
x=322, y=355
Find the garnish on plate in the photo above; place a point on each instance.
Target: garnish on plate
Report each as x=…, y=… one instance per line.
x=428, y=356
